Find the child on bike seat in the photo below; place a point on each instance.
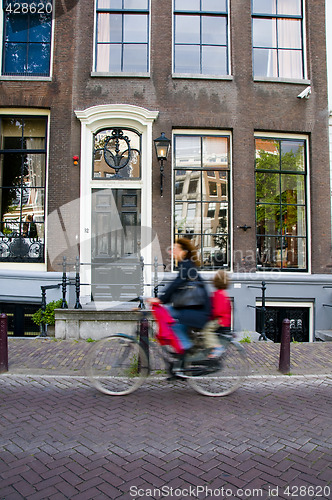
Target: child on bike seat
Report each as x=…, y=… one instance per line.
x=220, y=322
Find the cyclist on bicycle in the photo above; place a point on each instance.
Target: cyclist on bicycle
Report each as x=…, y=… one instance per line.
x=185, y=253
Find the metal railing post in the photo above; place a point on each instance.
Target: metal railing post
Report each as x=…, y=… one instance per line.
x=64, y=304
x=77, y=284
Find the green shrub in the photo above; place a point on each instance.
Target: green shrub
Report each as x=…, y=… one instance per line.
x=48, y=318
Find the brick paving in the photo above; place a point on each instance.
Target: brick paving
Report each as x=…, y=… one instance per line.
x=61, y=439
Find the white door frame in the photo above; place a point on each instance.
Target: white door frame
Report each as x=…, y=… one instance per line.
x=107, y=116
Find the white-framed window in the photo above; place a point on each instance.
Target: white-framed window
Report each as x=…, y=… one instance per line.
x=278, y=39
x=282, y=202
x=26, y=39
x=202, y=208
x=201, y=37
x=122, y=37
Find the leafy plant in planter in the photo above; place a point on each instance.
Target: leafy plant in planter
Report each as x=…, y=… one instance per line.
x=48, y=318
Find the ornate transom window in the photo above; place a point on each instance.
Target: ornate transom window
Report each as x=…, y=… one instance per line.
x=117, y=154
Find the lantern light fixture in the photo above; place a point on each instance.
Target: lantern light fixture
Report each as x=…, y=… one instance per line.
x=162, y=145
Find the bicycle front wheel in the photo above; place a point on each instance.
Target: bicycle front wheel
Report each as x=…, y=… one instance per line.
x=117, y=365
x=221, y=377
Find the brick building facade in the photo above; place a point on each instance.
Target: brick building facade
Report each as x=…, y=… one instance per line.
x=248, y=172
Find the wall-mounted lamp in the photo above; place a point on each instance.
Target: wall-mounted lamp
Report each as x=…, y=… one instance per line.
x=75, y=160
x=162, y=145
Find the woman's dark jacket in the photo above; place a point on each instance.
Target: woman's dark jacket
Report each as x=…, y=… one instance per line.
x=192, y=317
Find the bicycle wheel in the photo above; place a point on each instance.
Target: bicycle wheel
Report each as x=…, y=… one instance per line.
x=221, y=377
x=117, y=365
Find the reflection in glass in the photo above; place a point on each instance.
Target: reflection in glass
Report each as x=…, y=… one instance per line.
x=122, y=41
x=22, y=189
x=281, y=204
x=103, y=139
x=187, y=59
x=187, y=29
x=201, y=211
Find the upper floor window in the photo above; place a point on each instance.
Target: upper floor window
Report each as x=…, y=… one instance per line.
x=281, y=204
x=277, y=32
x=122, y=36
x=22, y=188
x=201, y=206
x=201, y=37
x=27, y=38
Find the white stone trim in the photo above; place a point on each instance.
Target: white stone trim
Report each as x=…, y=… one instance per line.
x=93, y=119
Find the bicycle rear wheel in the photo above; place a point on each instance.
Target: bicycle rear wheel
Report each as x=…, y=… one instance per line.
x=226, y=373
x=117, y=365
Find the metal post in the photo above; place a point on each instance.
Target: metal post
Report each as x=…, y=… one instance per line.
x=77, y=284
x=263, y=335
x=144, y=335
x=284, y=359
x=155, y=277
x=3, y=343
x=141, y=304
x=43, y=309
x=64, y=304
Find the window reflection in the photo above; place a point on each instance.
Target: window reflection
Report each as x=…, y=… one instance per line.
x=277, y=40
x=281, y=204
x=22, y=188
x=201, y=205
x=200, y=37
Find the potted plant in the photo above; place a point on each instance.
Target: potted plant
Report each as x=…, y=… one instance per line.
x=48, y=318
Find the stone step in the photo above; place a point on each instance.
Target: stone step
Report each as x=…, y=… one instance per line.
x=325, y=335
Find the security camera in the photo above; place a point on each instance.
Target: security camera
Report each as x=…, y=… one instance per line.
x=305, y=93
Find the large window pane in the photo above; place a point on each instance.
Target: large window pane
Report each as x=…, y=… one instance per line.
x=214, y=60
x=264, y=33
x=122, y=37
x=213, y=30
x=22, y=189
x=264, y=7
x=187, y=59
x=282, y=34
x=281, y=223
x=187, y=29
x=201, y=200
x=187, y=5
x=200, y=41
x=214, y=5
x=265, y=62
x=135, y=28
x=135, y=58
x=27, y=43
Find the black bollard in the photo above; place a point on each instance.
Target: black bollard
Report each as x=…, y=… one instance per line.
x=3, y=343
x=144, y=337
x=284, y=359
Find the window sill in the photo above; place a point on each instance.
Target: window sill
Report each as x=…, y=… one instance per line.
x=201, y=77
x=282, y=80
x=26, y=78
x=97, y=74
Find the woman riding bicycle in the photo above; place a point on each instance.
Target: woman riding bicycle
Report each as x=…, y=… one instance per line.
x=185, y=253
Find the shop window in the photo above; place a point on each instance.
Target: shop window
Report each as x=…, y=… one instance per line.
x=22, y=188
x=281, y=204
x=204, y=215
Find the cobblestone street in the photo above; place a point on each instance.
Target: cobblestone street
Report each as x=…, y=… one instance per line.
x=61, y=439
